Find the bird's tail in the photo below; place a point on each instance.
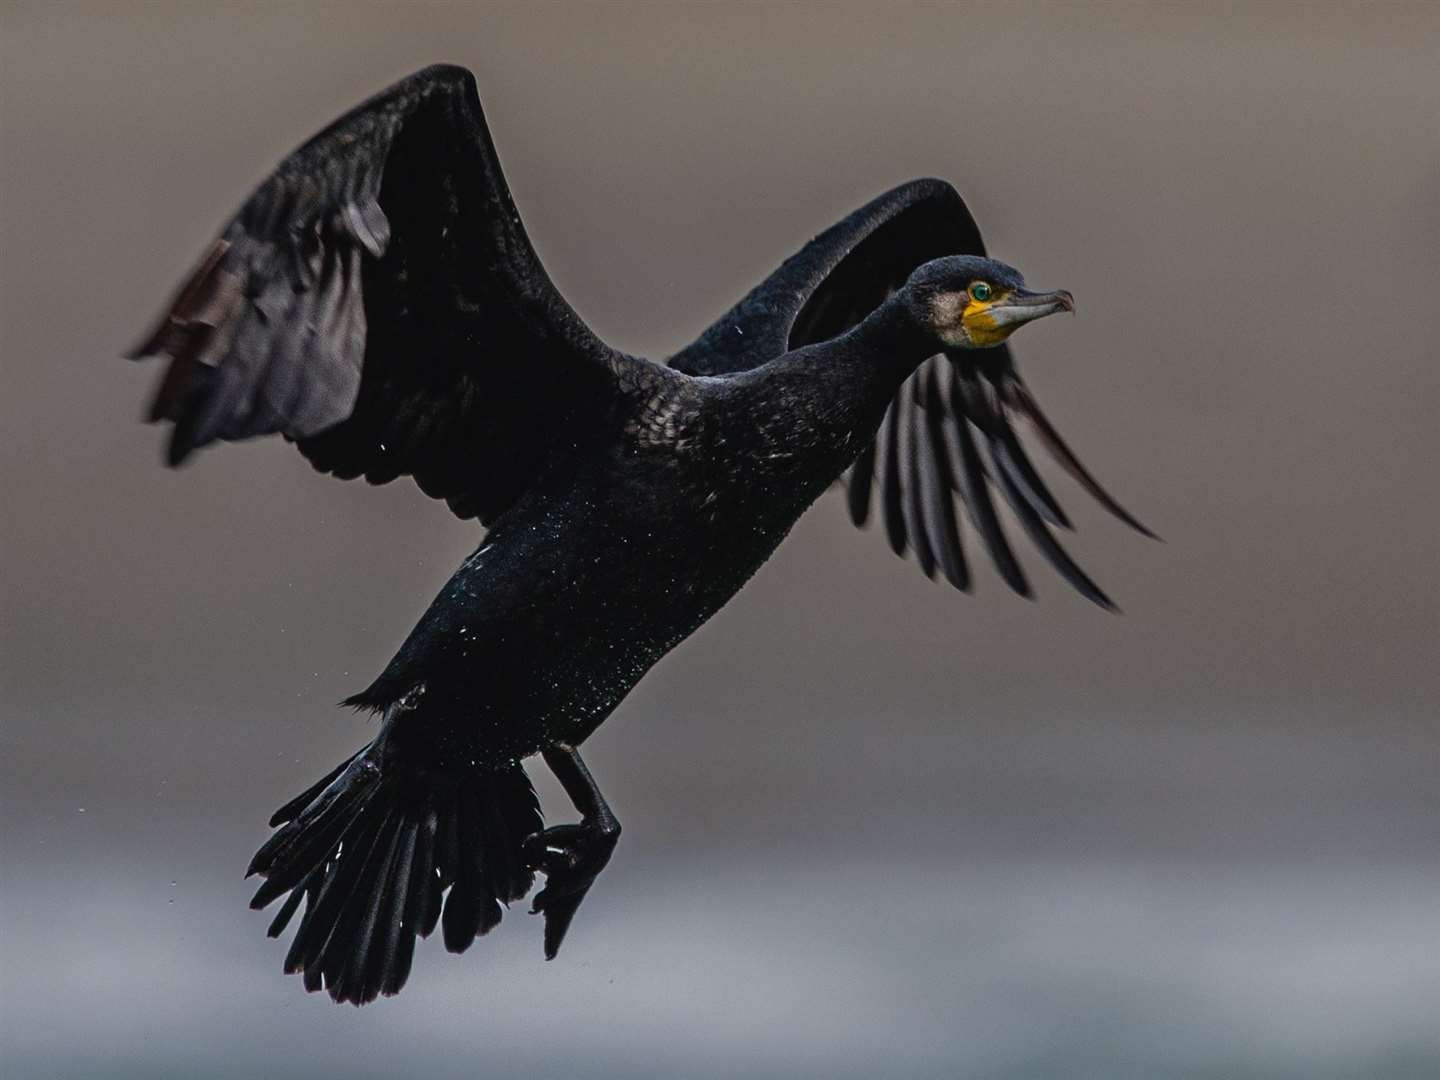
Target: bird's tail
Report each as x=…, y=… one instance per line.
x=371, y=854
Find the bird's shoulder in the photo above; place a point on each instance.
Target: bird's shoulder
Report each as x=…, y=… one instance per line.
x=667, y=410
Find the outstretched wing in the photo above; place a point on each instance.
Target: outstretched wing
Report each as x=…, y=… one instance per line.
x=377, y=301
x=949, y=431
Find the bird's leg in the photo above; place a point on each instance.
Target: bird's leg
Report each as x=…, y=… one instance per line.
x=570, y=856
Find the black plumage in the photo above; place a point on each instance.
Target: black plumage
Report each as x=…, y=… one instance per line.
x=377, y=301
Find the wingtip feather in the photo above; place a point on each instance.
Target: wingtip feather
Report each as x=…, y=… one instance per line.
x=1019, y=396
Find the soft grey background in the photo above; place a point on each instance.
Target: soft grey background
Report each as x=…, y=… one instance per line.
x=873, y=827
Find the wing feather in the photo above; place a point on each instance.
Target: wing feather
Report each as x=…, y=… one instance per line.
x=1018, y=394
x=892, y=492
x=377, y=301
x=938, y=484
x=975, y=493
x=914, y=496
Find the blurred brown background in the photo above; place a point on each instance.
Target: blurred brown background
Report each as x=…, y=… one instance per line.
x=873, y=827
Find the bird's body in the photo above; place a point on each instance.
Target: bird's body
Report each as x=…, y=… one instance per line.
x=621, y=550
x=376, y=301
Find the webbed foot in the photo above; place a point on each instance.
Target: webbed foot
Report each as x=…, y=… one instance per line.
x=570, y=856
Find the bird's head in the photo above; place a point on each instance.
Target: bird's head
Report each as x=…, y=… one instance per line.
x=970, y=302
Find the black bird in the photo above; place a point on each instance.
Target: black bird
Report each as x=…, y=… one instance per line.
x=377, y=302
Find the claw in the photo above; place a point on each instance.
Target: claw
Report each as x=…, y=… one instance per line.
x=570, y=857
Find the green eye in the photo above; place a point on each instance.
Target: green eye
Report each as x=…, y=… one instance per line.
x=980, y=291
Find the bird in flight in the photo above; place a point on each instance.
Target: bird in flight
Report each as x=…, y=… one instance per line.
x=376, y=301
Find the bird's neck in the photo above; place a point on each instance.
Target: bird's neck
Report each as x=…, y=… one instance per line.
x=821, y=403
x=883, y=348
x=861, y=369
x=889, y=334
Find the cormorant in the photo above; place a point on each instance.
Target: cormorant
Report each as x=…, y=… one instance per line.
x=377, y=302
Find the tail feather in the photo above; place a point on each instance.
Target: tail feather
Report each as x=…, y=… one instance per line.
x=292, y=904
x=412, y=905
x=335, y=896
x=368, y=858
x=351, y=982
x=341, y=961
x=383, y=962
x=306, y=797
x=299, y=846
x=510, y=877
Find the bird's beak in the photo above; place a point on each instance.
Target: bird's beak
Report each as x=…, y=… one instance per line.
x=1020, y=306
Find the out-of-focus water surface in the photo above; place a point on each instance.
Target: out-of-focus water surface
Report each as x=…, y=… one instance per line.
x=872, y=827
